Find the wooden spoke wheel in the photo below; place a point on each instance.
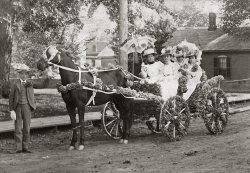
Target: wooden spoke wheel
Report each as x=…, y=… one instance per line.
x=153, y=125
x=216, y=112
x=111, y=121
x=175, y=118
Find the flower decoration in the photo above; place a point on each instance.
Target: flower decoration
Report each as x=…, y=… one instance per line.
x=28, y=83
x=94, y=72
x=194, y=68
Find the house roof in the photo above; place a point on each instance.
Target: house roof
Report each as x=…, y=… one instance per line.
x=226, y=42
x=208, y=40
x=199, y=36
x=106, y=52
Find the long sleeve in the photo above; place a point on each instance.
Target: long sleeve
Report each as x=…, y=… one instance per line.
x=144, y=71
x=11, y=97
x=40, y=84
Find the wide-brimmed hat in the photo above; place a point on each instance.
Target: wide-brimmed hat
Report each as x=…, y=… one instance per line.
x=167, y=51
x=191, y=53
x=149, y=51
x=178, y=52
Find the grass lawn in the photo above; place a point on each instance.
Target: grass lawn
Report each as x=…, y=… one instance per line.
x=47, y=105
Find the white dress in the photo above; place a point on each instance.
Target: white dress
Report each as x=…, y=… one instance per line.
x=152, y=72
x=169, y=82
x=193, y=80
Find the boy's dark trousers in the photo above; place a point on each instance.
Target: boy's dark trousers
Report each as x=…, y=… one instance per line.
x=22, y=126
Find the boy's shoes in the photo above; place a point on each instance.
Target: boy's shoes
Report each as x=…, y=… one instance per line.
x=26, y=151
x=18, y=151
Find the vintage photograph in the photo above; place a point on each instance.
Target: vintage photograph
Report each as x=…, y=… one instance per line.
x=124, y=86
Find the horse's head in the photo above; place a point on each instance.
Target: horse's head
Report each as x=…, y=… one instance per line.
x=53, y=55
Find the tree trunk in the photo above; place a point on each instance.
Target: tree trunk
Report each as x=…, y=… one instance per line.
x=5, y=52
x=6, y=18
x=123, y=32
x=5, y=49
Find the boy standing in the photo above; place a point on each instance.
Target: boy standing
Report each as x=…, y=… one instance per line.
x=21, y=103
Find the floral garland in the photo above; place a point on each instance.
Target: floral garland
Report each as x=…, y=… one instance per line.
x=198, y=98
x=216, y=107
x=146, y=87
x=84, y=83
x=27, y=84
x=172, y=109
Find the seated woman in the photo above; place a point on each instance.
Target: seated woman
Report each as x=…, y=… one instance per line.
x=151, y=69
x=194, y=73
x=169, y=81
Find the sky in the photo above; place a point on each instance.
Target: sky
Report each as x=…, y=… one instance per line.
x=100, y=19
x=205, y=6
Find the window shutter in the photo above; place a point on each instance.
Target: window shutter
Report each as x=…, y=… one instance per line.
x=216, y=66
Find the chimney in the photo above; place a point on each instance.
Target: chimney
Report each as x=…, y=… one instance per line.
x=212, y=22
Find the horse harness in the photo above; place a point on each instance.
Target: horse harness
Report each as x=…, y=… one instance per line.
x=80, y=71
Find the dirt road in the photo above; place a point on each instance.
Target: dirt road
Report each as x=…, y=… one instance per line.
x=197, y=152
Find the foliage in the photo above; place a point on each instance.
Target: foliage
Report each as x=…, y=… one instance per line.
x=6, y=34
x=158, y=25
x=42, y=16
x=26, y=48
x=190, y=16
x=42, y=22
x=235, y=13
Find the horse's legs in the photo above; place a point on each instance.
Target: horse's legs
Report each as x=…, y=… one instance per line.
x=72, y=115
x=81, y=111
x=127, y=121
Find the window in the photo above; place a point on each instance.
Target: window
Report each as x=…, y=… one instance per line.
x=222, y=66
x=94, y=48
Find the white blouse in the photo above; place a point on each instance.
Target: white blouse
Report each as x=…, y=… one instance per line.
x=152, y=72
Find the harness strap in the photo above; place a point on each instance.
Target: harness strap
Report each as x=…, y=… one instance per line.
x=80, y=75
x=92, y=98
x=74, y=70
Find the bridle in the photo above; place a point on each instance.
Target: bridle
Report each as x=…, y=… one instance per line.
x=52, y=56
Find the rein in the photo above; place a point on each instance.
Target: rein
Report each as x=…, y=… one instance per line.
x=80, y=71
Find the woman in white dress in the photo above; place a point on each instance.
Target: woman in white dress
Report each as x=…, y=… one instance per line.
x=194, y=73
x=169, y=82
x=151, y=69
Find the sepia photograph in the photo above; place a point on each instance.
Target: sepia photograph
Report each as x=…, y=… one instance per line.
x=124, y=86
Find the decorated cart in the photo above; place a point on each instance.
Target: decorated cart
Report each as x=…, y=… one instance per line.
x=171, y=116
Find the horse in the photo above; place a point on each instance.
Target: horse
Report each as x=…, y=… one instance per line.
x=76, y=99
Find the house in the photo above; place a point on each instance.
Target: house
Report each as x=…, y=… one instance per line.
x=221, y=55
x=99, y=54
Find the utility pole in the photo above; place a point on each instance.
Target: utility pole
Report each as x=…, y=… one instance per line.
x=123, y=32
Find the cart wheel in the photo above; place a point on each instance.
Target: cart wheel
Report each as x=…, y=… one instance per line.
x=217, y=111
x=153, y=125
x=175, y=118
x=111, y=121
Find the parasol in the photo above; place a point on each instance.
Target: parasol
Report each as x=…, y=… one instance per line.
x=137, y=44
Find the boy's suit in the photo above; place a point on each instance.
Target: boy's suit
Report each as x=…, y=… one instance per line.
x=22, y=102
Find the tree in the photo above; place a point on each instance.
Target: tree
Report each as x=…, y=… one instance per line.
x=7, y=13
x=235, y=13
x=44, y=22
x=50, y=18
x=160, y=28
x=190, y=16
